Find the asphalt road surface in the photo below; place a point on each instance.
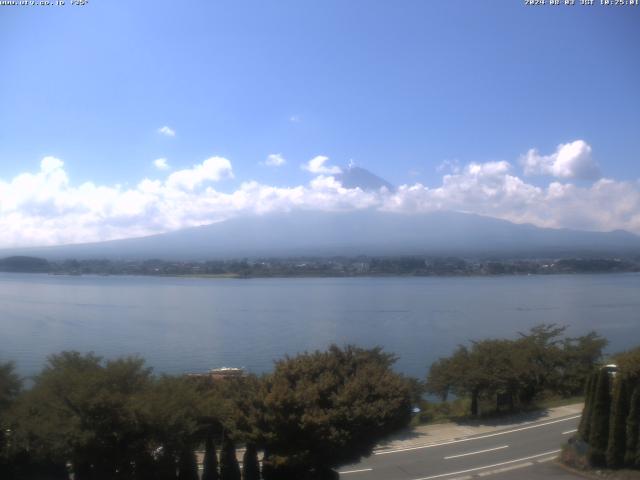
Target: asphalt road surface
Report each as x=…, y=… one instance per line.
x=537, y=471
x=522, y=452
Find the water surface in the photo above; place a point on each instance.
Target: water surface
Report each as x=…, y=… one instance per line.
x=190, y=324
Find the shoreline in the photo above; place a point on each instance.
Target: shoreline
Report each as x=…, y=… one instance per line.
x=236, y=276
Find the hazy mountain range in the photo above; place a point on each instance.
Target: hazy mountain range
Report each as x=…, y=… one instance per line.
x=351, y=233
x=364, y=232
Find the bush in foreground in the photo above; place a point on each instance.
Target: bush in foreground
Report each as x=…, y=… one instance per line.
x=326, y=409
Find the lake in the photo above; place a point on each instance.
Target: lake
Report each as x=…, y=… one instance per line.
x=191, y=324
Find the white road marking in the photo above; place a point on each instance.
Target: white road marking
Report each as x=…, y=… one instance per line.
x=548, y=459
x=475, y=453
x=505, y=469
x=356, y=471
x=570, y=431
x=431, y=445
x=488, y=466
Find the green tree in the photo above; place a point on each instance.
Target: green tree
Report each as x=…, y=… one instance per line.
x=210, y=462
x=250, y=465
x=497, y=368
x=10, y=385
x=633, y=430
x=581, y=356
x=542, y=360
x=616, y=447
x=145, y=465
x=326, y=409
x=585, y=419
x=599, y=430
x=517, y=371
x=445, y=373
x=461, y=374
x=171, y=412
x=80, y=409
x=187, y=465
x=637, y=460
x=235, y=404
x=165, y=465
x=229, y=468
x=268, y=468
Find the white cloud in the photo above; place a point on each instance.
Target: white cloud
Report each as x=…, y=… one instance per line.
x=212, y=169
x=452, y=166
x=275, y=160
x=167, y=131
x=161, y=164
x=570, y=160
x=295, y=119
x=317, y=165
x=51, y=164
x=45, y=207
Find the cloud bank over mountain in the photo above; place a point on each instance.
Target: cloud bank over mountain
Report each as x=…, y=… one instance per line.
x=570, y=160
x=47, y=208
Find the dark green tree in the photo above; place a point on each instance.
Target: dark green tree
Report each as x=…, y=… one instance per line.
x=442, y=377
x=25, y=467
x=460, y=374
x=637, y=461
x=585, y=419
x=81, y=409
x=170, y=411
x=497, y=370
x=145, y=466
x=516, y=372
x=237, y=407
x=599, y=430
x=268, y=470
x=229, y=468
x=628, y=363
x=10, y=385
x=250, y=465
x=580, y=356
x=166, y=466
x=187, y=465
x=633, y=430
x=326, y=409
x=542, y=360
x=616, y=446
x=210, y=463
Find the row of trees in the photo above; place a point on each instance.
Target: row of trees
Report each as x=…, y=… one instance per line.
x=610, y=422
x=513, y=373
x=116, y=420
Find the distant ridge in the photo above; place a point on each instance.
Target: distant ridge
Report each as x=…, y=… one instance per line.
x=365, y=232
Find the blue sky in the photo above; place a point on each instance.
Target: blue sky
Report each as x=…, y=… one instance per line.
x=397, y=87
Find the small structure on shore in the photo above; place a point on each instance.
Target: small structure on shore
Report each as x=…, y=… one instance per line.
x=222, y=373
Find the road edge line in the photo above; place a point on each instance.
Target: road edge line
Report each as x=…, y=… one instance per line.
x=524, y=459
x=480, y=437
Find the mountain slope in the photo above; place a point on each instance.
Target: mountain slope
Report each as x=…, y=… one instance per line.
x=352, y=233
x=357, y=177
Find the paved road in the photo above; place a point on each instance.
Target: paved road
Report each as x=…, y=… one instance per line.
x=526, y=449
x=538, y=471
